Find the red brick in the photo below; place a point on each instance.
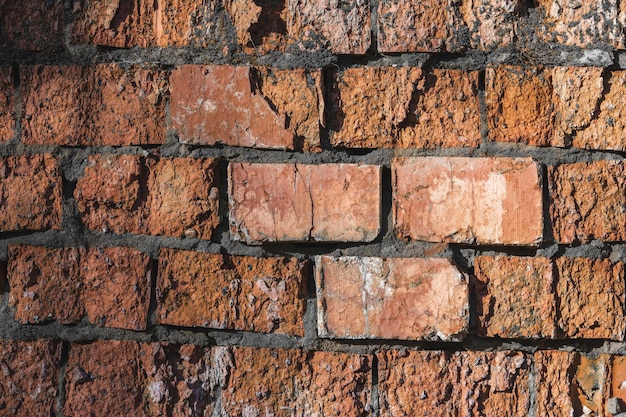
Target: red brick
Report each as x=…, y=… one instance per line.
x=183, y=198
x=30, y=193
x=294, y=382
x=129, y=194
x=45, y=284
x=296, y=202
x=591, y=298
x=240, y=106
x=259, y=28
x=29, y=382
x=117, y=283
x=7, y=110
x=435, y=383
x=393, y=298
x=344, y=28
x=588, y=202
x=468, y=200
x=515, y=297
x=111, y=195
x=555, y=376
x=429, y=26
x=184, y=22
x=582, y=23
x=103, y=105
x=617, y=386
x=32, y=25
x=403, y=108
x=231, y=292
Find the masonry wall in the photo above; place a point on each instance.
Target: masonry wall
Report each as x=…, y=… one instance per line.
x=306, y=208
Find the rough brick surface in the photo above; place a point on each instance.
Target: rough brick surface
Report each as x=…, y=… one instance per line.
x=29, y=382
x=588, y=202
x=183, y=22
x=393, y=298
x=30, y=193
x=7, y=110
x=297, y=202
x=101, y=105
x=240, y=106
x=32, y=26
x=590, y=382
x=554, y=375
x=591, y=298
x=372, y=107
x=519, y=105
x=45, y=284
x=294, y=382
x=436, y=383
x=344, y=27
x=117, y=284
x=183, y=198
x=582, y=23
x=231, y=292
x=617, y=387
x=471, y=200
x=515, y=297
x=430, y=26
x=129, y=194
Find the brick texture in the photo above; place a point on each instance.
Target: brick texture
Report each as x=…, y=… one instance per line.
x=109, y=286
x=132, y=194
x=231, y=292
x=101, y=105
x=468, y=200
x=30, y=193
x=297, y=202
x=33, y=26
x=402, y=110
x=393, y=298
x=29, y=383
x=7, y=102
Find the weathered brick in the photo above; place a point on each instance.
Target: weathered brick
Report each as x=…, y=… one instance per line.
x=436, y=383
x=93, y=106
x=117, y=283
x=139, y=379
x=183, y=198
x=231, y=292
x=260, y=28
x=588, y=202
x=590, y=381
x=393, y=298
x=129, y=194
x=30, y=193
x=29, y=382
x=555, y=375
x=591, y=298
x=617, y=385
x=519, y=105
x=111, y=194
x=32, y=25
x=515, y=297
x=294, y=382
x=343, y=27
x=45, y=284
x=297, y=202
x=373, y=107
x=7, y=110
x=582, y=23
x=242, y=106
x=429, y=26
x=468, y=200
x=184, y=22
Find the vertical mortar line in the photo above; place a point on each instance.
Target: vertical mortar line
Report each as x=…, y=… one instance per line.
x=548, y=236
x=152, y=306
x=324, y=132
x=482, y=105
x=373, y=5
x=532, y=387
x=60, y=400
x=386, y=203
x=375, y=401
x=310, y=314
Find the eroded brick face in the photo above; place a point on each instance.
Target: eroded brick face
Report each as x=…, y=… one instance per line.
x=33, y=26
x=7, y=103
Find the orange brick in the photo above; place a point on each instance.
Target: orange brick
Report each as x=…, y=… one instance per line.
x=468, y=200
x=102, y=105
x=7, y=110
x=30, y=372
x=515, y=297
x=591, y=298
x=403, y=108
x=297, y=202
x=587, y=201
x=30, y=192
x=32, y=25
x=231, y=292
x=555, y=376
x=393, y=298
x=294, y=382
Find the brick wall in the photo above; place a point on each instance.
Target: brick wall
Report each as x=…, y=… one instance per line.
x=302, y=208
